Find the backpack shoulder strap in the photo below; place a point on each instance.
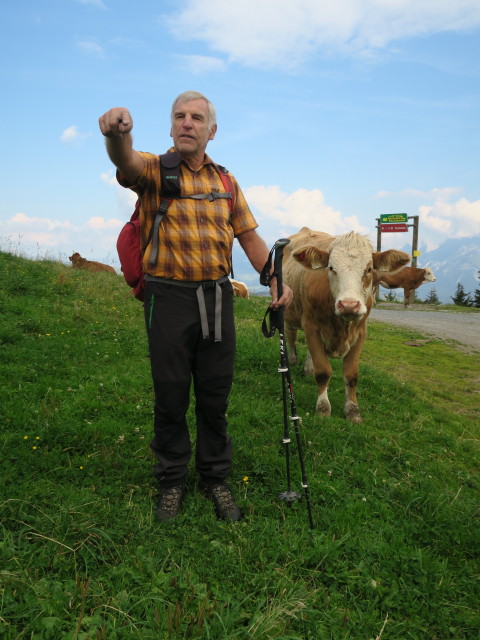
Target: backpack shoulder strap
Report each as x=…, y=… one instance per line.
x=230, y=193
x=169, y=189
x=170, y=175
x=227, y=183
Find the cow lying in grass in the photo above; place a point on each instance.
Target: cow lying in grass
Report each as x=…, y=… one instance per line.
x=81, y=263
x=240, y=289
x=331, y=278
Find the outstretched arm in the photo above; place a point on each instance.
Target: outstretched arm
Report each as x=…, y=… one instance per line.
x=257, y=252
x=116, y=125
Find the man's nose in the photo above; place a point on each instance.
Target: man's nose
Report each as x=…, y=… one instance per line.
x=187, y=122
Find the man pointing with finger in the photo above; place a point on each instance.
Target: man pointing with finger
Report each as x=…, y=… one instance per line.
x=188, y=298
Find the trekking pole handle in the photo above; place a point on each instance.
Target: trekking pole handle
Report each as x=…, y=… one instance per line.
x=277, y=263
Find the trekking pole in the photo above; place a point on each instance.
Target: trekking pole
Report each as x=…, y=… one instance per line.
x=277, y=322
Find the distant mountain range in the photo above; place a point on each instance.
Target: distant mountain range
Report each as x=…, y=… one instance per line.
x=456, y=260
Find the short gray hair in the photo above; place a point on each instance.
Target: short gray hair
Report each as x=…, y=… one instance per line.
x=195, y=95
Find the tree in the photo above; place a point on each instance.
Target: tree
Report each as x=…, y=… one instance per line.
x=416, y=296
x=391, y=296
x=476, y=294
x=461, y=298
x=476, y=299
x=432, y=297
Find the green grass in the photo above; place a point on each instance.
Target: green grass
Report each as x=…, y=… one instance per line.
x=394, y=552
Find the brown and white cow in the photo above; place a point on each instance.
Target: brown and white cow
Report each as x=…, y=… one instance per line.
x=240, y=289
x=408, y=278
x=331, y=278
x=82, y=263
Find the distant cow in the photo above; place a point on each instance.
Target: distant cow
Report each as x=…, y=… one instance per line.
x=81, y=263
x=408, y=278
x=332, y=279
x=240, y=289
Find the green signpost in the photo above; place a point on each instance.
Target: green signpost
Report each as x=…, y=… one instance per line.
x=390, y=218
x=396, y=222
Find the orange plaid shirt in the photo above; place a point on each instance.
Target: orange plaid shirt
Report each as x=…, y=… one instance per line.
x=195, y=236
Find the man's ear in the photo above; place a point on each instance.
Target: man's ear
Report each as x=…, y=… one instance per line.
x=213, y=131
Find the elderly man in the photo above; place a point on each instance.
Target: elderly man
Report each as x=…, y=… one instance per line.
x=188, y=298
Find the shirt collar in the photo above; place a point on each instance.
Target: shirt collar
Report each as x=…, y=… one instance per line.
x=206, y=159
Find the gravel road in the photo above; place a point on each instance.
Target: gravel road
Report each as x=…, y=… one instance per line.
x=464, y=328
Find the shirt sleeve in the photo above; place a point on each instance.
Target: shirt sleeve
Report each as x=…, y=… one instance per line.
x=148, y=179
x=242, y=217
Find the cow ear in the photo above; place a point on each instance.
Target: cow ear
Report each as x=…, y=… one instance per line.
x=391, y=260
x=311, y=257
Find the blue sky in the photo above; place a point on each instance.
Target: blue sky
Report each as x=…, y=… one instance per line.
x=329, y=114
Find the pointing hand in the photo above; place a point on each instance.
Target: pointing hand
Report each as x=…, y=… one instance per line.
x=115, y=122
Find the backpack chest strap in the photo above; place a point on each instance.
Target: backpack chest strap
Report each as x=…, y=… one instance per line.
x=213, y=195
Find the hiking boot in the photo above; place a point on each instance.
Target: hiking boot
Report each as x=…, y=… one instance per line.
x=221, y=496
x=169, y=500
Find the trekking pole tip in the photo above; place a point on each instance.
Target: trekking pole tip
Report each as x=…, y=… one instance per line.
x=290, y=496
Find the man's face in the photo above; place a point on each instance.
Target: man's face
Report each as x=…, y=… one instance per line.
x=190, y=128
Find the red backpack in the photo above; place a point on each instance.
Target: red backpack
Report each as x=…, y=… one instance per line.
x=128, y=242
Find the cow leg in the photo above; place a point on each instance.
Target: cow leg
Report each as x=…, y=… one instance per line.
x=308, y=366
x=406, y=297
x=318, y=364
x=291, y=336
x=350, y=377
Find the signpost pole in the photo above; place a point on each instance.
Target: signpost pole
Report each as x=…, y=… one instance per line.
x=394, y=223
x=376, y=291
x=415, y=241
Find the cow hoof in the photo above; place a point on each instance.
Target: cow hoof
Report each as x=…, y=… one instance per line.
x=352, y=413
x=323, y=408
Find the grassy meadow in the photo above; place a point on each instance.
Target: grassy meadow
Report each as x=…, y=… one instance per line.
x=394, y=554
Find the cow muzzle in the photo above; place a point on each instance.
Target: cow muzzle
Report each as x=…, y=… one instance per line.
x=350, y=309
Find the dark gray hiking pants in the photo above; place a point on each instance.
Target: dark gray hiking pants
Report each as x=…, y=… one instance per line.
x=178, y=355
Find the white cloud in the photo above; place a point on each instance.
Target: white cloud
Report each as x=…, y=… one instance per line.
x=101, y=224
x=442, y=215
x=72, y=134
x=281, y=33
x=90, y=47
x=291, y=211
x=94, y=239
x=198, y=65
x=125, y=197
x=24, y=222
x=459, y=219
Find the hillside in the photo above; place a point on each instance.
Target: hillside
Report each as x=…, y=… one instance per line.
x=392, y=551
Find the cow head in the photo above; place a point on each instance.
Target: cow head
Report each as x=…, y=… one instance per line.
x=429, y=277
x=77, y=260
x=350, y=262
